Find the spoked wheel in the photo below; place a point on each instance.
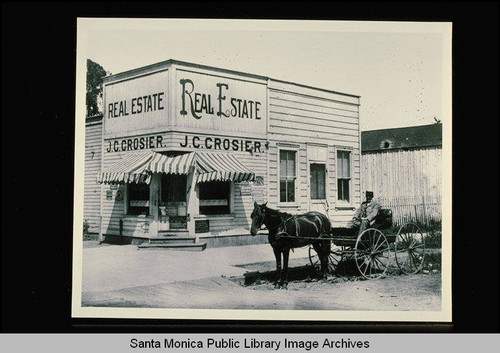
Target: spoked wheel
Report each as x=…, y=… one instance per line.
x=410, y=248
x=334, y=258
x=372, y=253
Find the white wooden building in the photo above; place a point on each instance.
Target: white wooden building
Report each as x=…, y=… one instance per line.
x=187, y=149
x=403, y=167
x=93, y=160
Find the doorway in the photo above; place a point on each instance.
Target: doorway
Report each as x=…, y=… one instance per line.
x=173, y=205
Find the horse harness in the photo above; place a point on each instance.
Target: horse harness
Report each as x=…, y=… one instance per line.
x=285, y=234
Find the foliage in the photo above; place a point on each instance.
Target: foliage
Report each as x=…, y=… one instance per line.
x=433, y=239
x=86, y=227
x=432, y=261
x=433, y=235
x=95, y=74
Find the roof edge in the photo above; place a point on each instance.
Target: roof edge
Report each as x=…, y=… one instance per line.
x=170, y=62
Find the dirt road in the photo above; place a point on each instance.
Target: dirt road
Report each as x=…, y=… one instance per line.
x=395, y=292
x=123, y=276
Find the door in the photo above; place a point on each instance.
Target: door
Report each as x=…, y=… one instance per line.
x=172, y=210
x=317, y=188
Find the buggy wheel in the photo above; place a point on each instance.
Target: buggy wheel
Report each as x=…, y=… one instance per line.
x=334, y=258
x=372, y=253
x=409, y=248
x=313, y=257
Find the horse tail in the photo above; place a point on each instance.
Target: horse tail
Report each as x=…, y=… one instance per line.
x=326, y=224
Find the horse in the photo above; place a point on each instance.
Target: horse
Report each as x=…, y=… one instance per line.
x=288, y=231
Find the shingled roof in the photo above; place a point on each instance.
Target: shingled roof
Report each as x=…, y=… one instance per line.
x=402, y=138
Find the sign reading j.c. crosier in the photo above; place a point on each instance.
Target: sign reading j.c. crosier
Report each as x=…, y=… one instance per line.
x=214, y=103
x=217, y=143
x=137, y=105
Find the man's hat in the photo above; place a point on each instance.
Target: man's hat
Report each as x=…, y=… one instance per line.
x=369, y=194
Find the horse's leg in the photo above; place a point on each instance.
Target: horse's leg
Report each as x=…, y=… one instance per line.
x=326, y=253
x=284, y=279
x=277, y=255
x=323, y=252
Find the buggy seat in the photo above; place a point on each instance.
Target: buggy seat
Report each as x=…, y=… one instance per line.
x=382, y=221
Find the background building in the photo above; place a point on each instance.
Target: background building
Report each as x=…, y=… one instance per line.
x=403, y=167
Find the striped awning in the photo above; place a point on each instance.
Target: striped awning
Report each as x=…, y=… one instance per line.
x=221, y=167
x=138, y=168
x=161, y=163
x=130, y=169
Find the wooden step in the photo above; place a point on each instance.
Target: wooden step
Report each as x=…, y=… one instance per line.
x=173, y=233
x=174, y=246
x=171, y=240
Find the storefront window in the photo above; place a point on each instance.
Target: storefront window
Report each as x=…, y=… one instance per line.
x=318, y=172
x=215, y=197
x=138, y=199
x=287, y=176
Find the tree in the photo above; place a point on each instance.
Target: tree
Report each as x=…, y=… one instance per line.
x=95, y=74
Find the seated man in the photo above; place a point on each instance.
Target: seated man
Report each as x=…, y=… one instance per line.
x=365, y=215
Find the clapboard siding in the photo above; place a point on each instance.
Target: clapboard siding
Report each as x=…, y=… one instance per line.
x=92, y=190
x=300, y=116
x=305, y=92
x=312, y=106
x=400, y=173
x=112, y=210
x=310, y=121
x=299, y=133
x=407, y=181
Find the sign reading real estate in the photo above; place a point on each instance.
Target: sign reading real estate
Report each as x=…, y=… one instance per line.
x=209, y=103
x=136, y=105
x=190, y=102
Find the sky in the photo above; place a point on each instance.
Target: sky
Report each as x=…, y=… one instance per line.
x=401, y=71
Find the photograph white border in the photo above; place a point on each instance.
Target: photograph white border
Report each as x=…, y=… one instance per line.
x=85, y=25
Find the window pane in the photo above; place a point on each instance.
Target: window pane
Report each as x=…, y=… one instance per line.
x=347, y=165
x=343, y=190
x=215, y=197
x=287, y=163
x=313, y=182
x=283, y=190
x=283, y=158
x=290, y=170
x=340, y=165
x=138, y=199
x=343, y=164
x=291, y=191
x=317, y=181
x=321, y=182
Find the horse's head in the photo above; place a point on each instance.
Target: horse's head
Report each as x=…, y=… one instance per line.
x=258, y=215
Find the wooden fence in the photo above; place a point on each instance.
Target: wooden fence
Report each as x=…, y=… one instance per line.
x=420, y=209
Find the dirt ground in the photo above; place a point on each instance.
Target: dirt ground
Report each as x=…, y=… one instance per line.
x=393, y=292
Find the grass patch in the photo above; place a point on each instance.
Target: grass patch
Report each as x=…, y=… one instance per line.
x=432, y=261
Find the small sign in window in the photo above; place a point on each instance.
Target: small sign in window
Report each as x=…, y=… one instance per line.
x=220, y=202
x=202, y=226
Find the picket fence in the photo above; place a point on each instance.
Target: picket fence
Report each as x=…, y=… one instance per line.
x=425, y=210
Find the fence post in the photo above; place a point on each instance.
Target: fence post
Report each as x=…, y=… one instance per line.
x=425, y=214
